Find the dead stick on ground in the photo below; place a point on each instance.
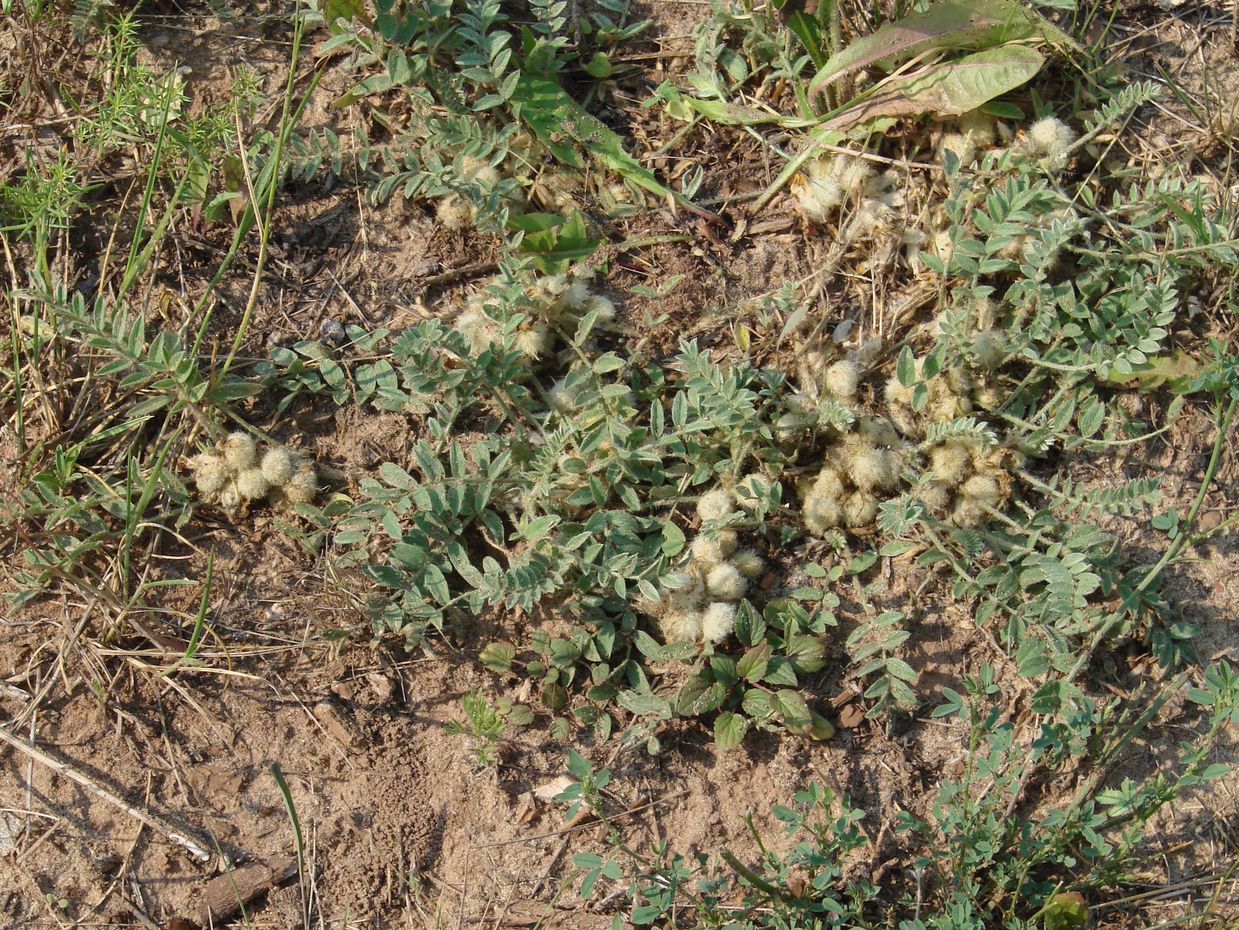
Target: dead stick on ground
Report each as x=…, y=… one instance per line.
x=195, y=849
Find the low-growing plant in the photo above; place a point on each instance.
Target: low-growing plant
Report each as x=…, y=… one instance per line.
x=486, y=724
x=996, y=851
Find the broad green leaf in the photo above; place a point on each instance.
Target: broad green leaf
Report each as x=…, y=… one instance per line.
x=1065, y=911
x=643, y=705
x=955, y=24
x=752, y=666
x=498, y=656
x=756, y=703
x=729, y=730
x=700, y=695
x=791, y=708
x=949, y=88
x=806, y=653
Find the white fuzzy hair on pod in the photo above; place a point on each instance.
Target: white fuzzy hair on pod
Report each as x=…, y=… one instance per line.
x=239, y=450
x=277, y=465
x=718, y=622
x=748, y=563
x=841, y=380
x=681, y=626
x=1050, y=137
x=252, y=484
x=716, y=504
x=725, y=582
x=859, y=509
x=303, y=485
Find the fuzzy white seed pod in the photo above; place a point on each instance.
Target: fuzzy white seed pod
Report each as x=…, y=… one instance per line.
x=862, y=464
x=725, y=582
x=479, y=170
x=303, y=485
x=935, y=495
x=854, y=174
x=988, y=348
x=1050, y=137
x=829, y=484
x=958, y=380
x=681, y=626
x=487, y=177
x=714, y=505
x=239, y=451
x=252, y=484
x=983, y=313
x=964, y=148
x=727, y=541
x=896, y=394
x=878, y=430
x=817, y=190
x=687, y=601
x=277, y=465
x=868, y=351
x=988, y=397
x=561, y=398
x=229, y=497
x=748, y=563
x=859, y=509
x=534, y=341
x=577, y=293
x=210, y=474
x=718, y=622
x=841, y=380
x=946, y=406
x=979, y=127
x=984, y=489
x=706, y=552
x=967, y=512
x=602, y=306
x=822, y=513
x=949, y=461
x=891, y=469
x=477, y=328
x=791, y=425
x=454, y=212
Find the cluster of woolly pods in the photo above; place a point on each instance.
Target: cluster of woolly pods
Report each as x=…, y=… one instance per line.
x=862, y=468
x=829, y=181
x=238, y=471
x=819, y=379
x=968, y=480
x=949, y=397
x=699, y=600
x=553, y=302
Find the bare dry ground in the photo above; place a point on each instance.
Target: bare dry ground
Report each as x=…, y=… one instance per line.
x=401, y=827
